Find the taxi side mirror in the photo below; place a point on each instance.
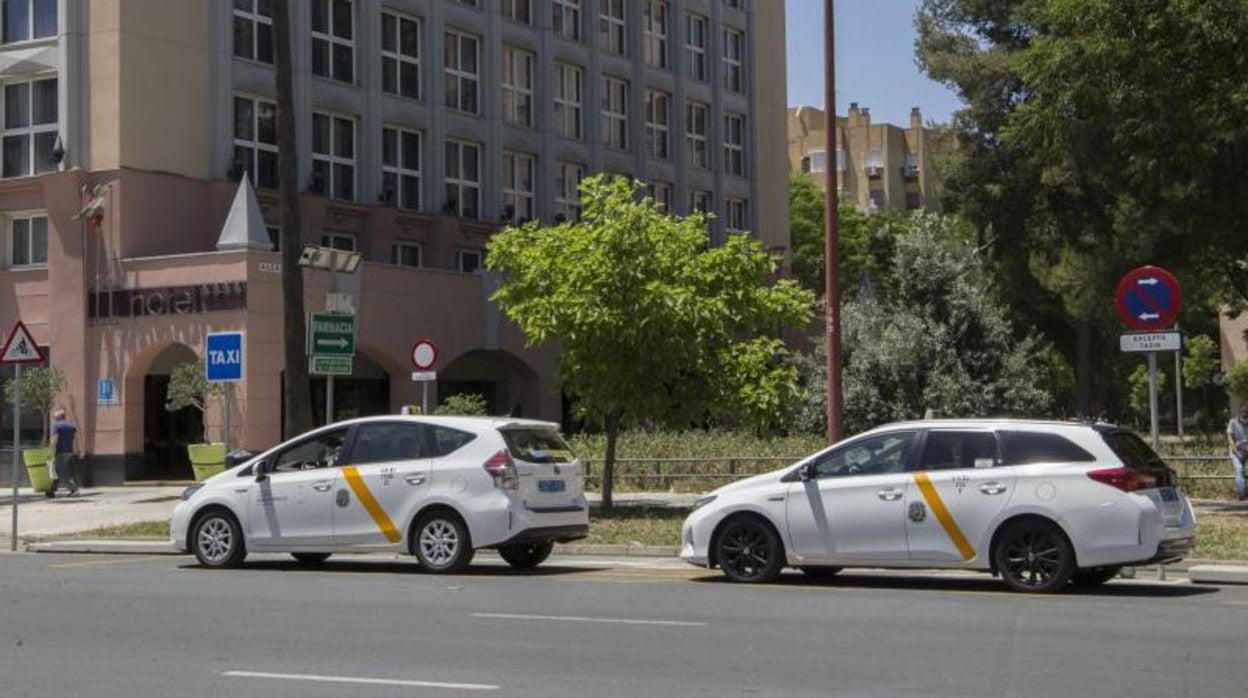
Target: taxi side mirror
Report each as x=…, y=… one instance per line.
x=807, y=472
x=262, y=471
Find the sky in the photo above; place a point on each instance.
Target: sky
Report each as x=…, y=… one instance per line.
x=874, y=60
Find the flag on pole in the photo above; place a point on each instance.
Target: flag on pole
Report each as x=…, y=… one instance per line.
x=92, y=210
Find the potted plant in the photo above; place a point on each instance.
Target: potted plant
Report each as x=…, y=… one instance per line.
x=40, y=388
x=189, y=388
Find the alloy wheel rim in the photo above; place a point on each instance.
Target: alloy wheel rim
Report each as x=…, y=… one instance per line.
x=1033, y=559
x=745, y=551
x=215, y=540
x=439, y=542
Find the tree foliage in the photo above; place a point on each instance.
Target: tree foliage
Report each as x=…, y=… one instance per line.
x=464, y=404
x=1202, y=361
x=865, y=241
x=41, y=386
x=1237, y=381
x=652, y=325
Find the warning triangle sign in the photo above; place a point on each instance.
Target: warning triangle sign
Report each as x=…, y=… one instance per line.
x=20, y=347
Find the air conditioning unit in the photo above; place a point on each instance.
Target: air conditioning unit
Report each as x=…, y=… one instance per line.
x=910, y=171
x=874, y=171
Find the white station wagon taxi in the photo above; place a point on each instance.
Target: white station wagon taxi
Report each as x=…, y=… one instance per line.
x=437, y=487
x=1041, y=504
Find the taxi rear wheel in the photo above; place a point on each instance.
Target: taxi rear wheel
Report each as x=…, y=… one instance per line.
x=526, y=556
x=749, y=550
x=310, y=559
x=1033, y=555
x=441, y=543
x=217, y=540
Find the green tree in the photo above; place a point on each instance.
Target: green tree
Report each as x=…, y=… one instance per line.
x=188, y=387
x=464, y=404
x=652, y=325
x=1237, y=381
x=941, y=340
x=865, y=240
x=40, y=388
x=1202, y=361
x=1139, y=392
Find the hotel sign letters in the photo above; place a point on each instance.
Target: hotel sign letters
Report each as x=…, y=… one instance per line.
x=168, y=300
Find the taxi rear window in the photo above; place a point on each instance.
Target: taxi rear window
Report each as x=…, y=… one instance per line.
x=537, y=445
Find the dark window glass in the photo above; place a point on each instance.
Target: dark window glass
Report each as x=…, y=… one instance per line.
x=447, y=440
x=264, y=42
x=537, y=445
x=1027, y=447
x=384, y=442
x=320, y=451
x=956, y=450
x=243, y=37
x=876, y=455
x=16, y=20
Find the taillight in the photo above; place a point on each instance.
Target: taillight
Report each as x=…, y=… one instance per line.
x=502, y=468
x=1125, y=479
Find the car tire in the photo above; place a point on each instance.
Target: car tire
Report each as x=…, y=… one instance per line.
x=441, y=544
x=1033, y=556
x=1091, y=577
x=526, y=556
x=821, y=573
x=310, y=559
x=749, y=550
x=217, y=540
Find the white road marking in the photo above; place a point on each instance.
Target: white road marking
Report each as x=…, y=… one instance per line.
x=585, y=619
x=361, y=680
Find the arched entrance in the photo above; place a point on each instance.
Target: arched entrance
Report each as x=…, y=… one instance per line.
x=508, y=385
x=166, y=434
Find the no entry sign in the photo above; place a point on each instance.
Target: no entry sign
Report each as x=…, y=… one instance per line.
x=1148, y=299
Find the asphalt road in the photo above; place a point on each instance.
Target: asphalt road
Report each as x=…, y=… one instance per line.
x=105, y=626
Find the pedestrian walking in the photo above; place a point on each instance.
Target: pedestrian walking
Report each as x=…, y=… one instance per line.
x=1237, y=435
x=63, y=444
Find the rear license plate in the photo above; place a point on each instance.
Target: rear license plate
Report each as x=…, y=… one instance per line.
x=1169, y=494
x=551, y=485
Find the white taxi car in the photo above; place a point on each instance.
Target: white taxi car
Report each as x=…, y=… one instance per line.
x=437, y=487
x=1039, y=503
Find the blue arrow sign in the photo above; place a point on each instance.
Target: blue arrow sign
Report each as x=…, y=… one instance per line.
x=1149, y=299
x=223, y=357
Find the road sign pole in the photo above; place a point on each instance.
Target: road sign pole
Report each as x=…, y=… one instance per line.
x=17, y=452
x=424, y=397
x=229, y=407
x=329, y=399
x=1178, y=390
x=1152, y=399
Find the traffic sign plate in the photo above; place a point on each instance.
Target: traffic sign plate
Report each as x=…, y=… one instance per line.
x=1148, y=299
x=223, y=357
x=20, y=347
x=1151, y=341
x=330, y=365
x=331, y=334
x=424, y=376
x=424, y=354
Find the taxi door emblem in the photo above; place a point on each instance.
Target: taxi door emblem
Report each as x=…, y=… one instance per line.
x=916, y=511
x=960, y=482
x=343, y=498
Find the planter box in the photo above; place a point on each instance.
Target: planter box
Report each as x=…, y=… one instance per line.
x=206, y=460
x=36, y=460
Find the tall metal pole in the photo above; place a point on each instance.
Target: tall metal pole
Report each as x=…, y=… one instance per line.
x=1152, y=400
x=17, y=451
x=1178, y=388
x=329, y=399
x=832, y=299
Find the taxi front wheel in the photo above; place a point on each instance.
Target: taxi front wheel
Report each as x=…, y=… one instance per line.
x=217, y=540
x=441, y=543
x=749, y=550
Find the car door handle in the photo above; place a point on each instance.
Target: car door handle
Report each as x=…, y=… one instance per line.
x=414, y=480
x=992, y=488
x=889, y=495
x=323, y=485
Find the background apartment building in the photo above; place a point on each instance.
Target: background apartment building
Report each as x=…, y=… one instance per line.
x=879, y=166
x=421, y=125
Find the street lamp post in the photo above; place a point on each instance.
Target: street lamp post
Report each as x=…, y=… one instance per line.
x=831, y=257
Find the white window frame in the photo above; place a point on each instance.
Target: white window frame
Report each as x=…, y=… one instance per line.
x=463, y=253
x=31, y=131
x=460, y=184
x=656, y=23
x=734, y=151
x=569, y=100
x=397, y=247
x=518, y=86
x=254, y=144
x=658, y=124
x=257, y=19
x=697, y=143
x=518, y=10
x=736, y=215
x=614, y=112
x=398, y=57
x=328, y=240
x=461, y=76
x=331, y=39
x=399, y=169
x=568, y=179
x=734, y=60
x=566, y=18
x=613, y=26
x=703, y=197
x=333, y=159
x=10, y=239
x=521, y=201
x=818, y=158
x=30, y=25
x=695, y=53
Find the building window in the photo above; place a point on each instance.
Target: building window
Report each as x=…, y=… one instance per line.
x=518, y=171
x=405, y=253
x=612, y=27
x=696, y=129
x=569, y=83
x=655, y=25
x=344, y=242
x=255, y=139
x=734, y=53
x=27, y=20
x=615, y=112
x=517, y=10
x=400, y=55
x=400, y=167
x=567, y=191
x=736, y=4
x=876, y=200
x=661, y=192
x=469, y=260
x=253, y=30
x=737, y=220
x=30, y=124
x=333, y=39
x=462, y=71
x=696, y=33
x=658, y=114
x=914, y=200
x=28, y=241
x=816, y=161
x=517, y=86
x=734, y=144
x=333, y=155
x=567, y=18
x=699, y=201
x=463, y=179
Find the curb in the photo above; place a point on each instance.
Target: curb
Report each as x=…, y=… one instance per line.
x=163, y=547
x=1218, y=574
